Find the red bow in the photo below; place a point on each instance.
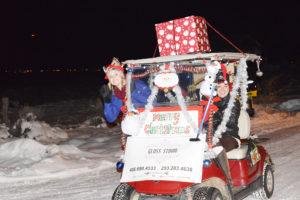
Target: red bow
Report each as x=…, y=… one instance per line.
x=211, y=106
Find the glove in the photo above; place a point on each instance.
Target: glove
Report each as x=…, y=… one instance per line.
x=106, y=93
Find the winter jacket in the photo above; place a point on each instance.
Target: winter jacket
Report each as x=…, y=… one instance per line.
x=139, y=95
x=232, y=128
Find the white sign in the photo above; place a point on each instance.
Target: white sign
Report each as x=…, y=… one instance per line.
x=169, y=123
x=163, y=158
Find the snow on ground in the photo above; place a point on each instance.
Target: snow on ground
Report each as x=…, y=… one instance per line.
x=82, y=166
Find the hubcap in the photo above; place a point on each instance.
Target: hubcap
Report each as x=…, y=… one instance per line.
x=269, y=180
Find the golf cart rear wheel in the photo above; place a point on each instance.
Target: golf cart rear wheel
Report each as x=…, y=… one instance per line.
x=125, y=192
x=266, y=191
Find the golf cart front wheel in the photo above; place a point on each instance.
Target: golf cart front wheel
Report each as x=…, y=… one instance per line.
x=207, y=193
x=125, y=192
x=267, y=189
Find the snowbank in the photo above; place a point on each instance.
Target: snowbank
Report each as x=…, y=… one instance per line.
x=29, y=127
x=4, y=134
x=268, y=120
x=292, y=105
x=26, y=157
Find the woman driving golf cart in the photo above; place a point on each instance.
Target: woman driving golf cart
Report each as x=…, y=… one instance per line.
x=230, y=138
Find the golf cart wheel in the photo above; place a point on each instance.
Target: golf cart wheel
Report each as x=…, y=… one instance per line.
x=207, y=193
x=266, y=191
x=216, y=195
x=201, y=194
x=125, y=192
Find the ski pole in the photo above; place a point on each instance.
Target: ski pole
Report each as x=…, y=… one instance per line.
x=205, y=113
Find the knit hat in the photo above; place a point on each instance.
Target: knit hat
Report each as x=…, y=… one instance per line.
x=115, y=65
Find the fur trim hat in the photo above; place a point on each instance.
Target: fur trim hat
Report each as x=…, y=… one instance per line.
x=115, y=65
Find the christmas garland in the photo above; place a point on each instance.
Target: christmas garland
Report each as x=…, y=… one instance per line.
x=181, y=103
x=129, y=105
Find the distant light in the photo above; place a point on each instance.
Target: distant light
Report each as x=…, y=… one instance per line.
x=33, y=35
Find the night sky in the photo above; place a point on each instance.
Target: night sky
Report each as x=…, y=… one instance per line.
x=92, y=32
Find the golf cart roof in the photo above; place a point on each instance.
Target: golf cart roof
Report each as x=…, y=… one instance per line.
x=197, y=56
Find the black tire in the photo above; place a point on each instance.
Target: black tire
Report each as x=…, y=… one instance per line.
x=266, y=191
x=124, y=192
x=201, y=194
x=207, y=193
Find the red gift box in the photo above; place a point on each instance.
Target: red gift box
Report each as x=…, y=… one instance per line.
x=181, y=36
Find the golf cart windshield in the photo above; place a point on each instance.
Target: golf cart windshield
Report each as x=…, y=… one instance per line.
x=189, y=76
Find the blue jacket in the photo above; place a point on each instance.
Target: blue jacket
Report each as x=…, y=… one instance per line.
x=139, y=95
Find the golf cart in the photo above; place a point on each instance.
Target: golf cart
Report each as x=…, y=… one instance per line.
x=168, y=153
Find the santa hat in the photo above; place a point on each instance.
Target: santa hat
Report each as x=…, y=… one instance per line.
x=115, y=65
x=223, y=76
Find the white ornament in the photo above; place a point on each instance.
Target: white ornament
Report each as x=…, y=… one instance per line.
x=192, y=42
x=170, y=27
x=178, y=29
x=169, y=37
x=159, y=41
x=167, y=45
x=161, y=32
x=186, y=23
x=131, y=125
x=192, y=34
x=191, y=50
x=185, y=33
x=184, y=42
x=176, y=38
x=193, y=25
x=177, y=46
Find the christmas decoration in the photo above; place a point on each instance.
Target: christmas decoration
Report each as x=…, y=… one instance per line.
x=166, y=80
x=116, y=65
x=206, y=163
x=181, y=36
x=210, y=76
x=119, y=165
x=131, y=124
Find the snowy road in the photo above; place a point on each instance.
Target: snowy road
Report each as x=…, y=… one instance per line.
x=90, y=186
x=99, y=183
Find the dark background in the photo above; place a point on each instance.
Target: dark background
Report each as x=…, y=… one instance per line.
x=87, y=34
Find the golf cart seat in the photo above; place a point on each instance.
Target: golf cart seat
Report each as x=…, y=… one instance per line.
x=244, y=133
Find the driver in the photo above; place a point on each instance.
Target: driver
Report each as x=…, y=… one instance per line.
x=230, y=138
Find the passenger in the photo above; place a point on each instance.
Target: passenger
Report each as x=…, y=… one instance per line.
x=230, y=138
x=114, y=94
